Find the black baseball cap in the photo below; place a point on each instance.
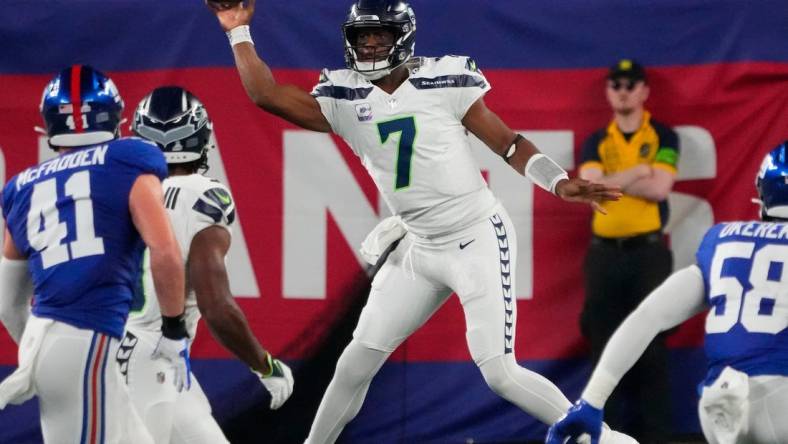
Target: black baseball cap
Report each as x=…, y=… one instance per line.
x=627, y=69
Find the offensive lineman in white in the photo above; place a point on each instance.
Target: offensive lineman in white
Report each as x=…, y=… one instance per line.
x=406, y=118
x=202, y=212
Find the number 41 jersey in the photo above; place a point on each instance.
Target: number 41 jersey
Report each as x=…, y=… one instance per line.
x=70, y=217
x=412, y=142
x=745, y=273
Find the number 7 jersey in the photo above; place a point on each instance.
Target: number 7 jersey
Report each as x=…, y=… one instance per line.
x=412, y=142
x=70, y=217
x=745, y=274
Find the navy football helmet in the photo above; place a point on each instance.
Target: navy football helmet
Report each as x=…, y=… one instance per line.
x=772, y=183
x=81, y=106
x=393, y=15
x=177, y=122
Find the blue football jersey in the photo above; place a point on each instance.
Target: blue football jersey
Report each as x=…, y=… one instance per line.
x=746, y=281
x=70, y=216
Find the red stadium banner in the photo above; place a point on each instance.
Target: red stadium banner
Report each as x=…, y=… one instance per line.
x=305, y=202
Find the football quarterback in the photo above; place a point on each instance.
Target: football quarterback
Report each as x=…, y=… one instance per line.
x=406, y=118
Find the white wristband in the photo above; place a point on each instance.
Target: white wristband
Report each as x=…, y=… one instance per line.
x=239, y=34
x=544, y=172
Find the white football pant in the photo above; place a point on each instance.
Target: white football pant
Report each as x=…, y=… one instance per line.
x=766, y=421
x=80, y=393
x=478, y=263
x=171, y=417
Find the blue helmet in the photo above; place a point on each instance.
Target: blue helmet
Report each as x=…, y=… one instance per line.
x=81, y=106
x=772, y=183
x=394, y=15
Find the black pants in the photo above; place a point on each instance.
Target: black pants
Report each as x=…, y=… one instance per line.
x=618, y=276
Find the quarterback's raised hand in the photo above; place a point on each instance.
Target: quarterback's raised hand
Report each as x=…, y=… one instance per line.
x=581, y=190
x=289, y=102
x=232, y=14
x=582, y=418
x=278, y=382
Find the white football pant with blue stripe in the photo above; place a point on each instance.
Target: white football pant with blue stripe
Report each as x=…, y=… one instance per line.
x=82, y=399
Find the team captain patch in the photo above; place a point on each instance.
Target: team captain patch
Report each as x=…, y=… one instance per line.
x=364, y=112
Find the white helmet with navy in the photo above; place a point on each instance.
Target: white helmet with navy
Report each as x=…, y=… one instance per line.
x=177, y=122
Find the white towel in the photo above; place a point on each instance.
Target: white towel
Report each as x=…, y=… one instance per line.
x=388, y=231
x=18, y=386
x=727, y=406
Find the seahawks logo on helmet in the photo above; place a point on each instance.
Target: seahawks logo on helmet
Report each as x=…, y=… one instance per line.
x=177, y=122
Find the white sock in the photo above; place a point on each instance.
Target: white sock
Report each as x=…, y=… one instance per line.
x=528, y=390
x=346, y=392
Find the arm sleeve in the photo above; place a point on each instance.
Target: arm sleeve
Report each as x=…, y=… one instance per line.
x=705, y=253
x=667, y=157
x=215, y=206
x=16, y=289
x=679, y=298
x=589, y=155
x=470, y=85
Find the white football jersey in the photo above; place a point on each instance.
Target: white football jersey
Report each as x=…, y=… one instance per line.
x=412, y=142
x=193, y=202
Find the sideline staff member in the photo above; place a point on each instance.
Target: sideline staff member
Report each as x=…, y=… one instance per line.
x=628, y=256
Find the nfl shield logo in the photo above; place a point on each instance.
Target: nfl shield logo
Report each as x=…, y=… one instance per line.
x=364, y=112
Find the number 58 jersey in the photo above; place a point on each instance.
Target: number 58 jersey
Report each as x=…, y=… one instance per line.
x=745, y=273
x=70, y=217
x=412, y=142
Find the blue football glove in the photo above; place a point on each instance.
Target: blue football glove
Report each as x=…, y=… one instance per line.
x=581, y=418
